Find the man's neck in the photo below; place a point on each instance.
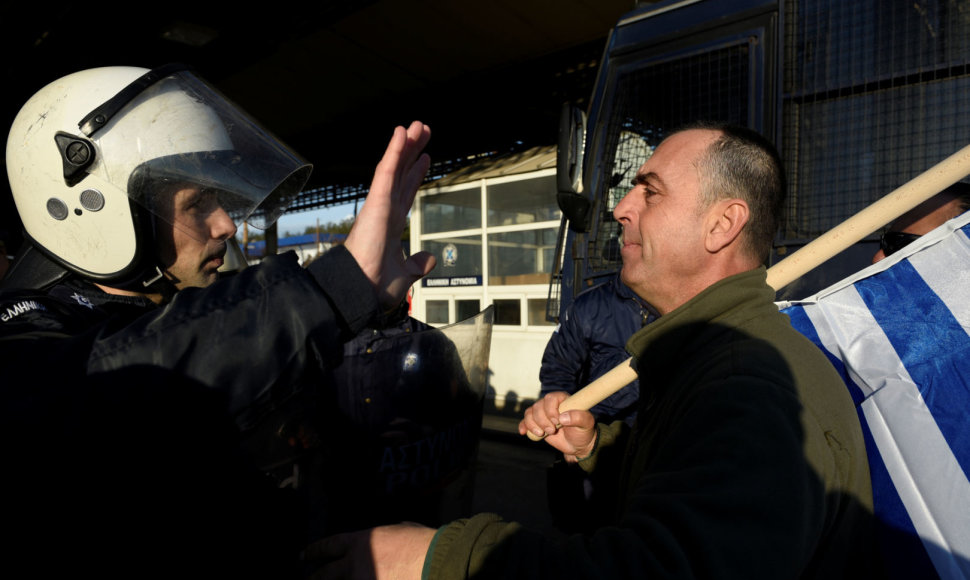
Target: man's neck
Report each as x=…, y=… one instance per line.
x=715, y=271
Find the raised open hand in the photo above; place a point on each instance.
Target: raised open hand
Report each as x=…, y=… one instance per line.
x=375, y=239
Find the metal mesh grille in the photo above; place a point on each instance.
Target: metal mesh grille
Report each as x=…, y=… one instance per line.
x=650, y=101
x=875, y=93
x=555, y=284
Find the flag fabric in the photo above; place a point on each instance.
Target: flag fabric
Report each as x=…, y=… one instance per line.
x=899, y=333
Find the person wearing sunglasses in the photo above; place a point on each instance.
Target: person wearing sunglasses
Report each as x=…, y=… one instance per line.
x=923, y=218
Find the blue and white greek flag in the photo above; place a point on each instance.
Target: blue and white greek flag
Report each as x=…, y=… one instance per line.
x=899, y=332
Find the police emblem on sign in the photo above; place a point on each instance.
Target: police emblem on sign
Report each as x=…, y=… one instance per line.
x=449, y=255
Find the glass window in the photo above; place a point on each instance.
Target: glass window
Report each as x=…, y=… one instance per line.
x=524, y=257
x=447, y=212
x=465, y=309
x=522, y=202
x=508, y=312
x=537, y=312
x=436, y=311
x=457, y=256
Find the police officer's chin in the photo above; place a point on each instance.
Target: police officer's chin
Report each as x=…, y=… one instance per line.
x=205, y=276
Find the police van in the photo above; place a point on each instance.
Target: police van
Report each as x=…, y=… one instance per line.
x=859, y=98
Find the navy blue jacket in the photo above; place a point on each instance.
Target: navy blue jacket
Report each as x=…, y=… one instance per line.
x=590, y=340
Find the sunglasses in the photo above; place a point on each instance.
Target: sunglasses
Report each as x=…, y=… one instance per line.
x=891, y=242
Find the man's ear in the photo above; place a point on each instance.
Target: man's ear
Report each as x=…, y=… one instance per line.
x=725, y=222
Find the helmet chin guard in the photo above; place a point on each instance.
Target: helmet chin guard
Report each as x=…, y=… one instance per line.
x=92, y=156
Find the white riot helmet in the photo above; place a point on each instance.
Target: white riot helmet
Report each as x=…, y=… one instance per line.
x=91, y=156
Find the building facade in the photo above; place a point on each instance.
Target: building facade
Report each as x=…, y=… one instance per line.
x=493, y=229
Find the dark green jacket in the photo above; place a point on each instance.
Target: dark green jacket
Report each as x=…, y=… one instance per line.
x=747, y=461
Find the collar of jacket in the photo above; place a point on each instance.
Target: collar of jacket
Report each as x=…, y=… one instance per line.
x=624, y=291
x=726, y=303
x=97, y=296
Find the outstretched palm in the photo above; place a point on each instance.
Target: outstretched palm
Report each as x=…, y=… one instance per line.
x=375, y=239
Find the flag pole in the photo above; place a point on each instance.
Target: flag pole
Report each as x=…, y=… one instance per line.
x=896, y=203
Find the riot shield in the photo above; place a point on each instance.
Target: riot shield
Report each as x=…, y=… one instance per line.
x=407, y=405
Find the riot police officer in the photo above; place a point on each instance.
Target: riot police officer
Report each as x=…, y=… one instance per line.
x=152, y=411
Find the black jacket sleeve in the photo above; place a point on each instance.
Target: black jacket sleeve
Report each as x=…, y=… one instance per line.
x=248, y=334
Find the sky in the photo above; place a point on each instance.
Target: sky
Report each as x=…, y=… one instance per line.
x=296, y=223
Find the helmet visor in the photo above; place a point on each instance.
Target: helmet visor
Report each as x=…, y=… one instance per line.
x=180, y=133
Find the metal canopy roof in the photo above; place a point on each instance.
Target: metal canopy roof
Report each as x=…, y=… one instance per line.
x=516, y=163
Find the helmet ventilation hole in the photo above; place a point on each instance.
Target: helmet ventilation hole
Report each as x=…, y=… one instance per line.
x=92, y=200
x=57, y=208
